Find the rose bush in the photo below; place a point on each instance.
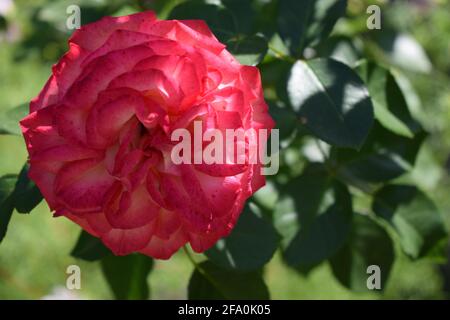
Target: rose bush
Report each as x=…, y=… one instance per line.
x=98, y=134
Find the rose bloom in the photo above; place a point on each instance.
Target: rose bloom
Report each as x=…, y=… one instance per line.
x=99, y=134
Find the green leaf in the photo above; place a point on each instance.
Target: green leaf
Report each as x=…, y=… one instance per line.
x=285, y=121
x=275, y=74
x=409, y=93
x=389, y=103
x=244, y=13
x=218, y=18
x=300, y=201
x=404, y=51
x=384, y=156
x=248, y=50
x=210, y=282
x=332, y=101
x=89, y=248
x=161, y=7
x=9, y=119
x=321, y=239
x=413, y=215
x=340, y=48
x=127, y=275
x=7, y=184
x=266, y=18
x=305, y=23
x=369, y=244
x=26, y=194
x=250, y=245
x=313, y=216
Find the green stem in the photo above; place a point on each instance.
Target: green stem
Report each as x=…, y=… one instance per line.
x=202, y=271
x=191, y=259
x=281, y=55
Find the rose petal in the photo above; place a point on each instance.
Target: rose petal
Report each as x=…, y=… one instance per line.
x=123, y=242
x=131, y=209
x=81, y=185
x=165, y=248
x=93, y=35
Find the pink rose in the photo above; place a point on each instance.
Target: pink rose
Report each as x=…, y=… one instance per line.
x=98, y=134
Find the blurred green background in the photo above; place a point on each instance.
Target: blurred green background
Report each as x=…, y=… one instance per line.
x=36, y=250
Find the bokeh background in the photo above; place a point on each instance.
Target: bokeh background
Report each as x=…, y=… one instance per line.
x=36, y=250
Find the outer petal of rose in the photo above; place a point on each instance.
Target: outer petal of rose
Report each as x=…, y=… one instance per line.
x=47, y=96
x=222, y=192
x=255, y=95
x=81, y=185
x=39, y=131
x=119, y=40
x=181, y=32
x=68, y=69
x=165, y=248
x=261, y=117
x=216, y=193
x=81, y=221
x=131, y=209
x=98, y=222
x=45, y=181
x=54, y=157
x=103, y=70
x=123, y=242
x=202, y=242
x=201, y=27
x=258, y=180
x=63, y=75
x=228, y=66
x=221, y=170
x=196, y=33
x=166, y=224
x=165, y=47
x=251, y=79
x=195, y=216
x=93, y=35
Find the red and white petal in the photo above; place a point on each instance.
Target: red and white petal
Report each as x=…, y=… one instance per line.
x=164, y=248
x=131, y=209
x=103, y=70
x=48, y=95
x=123, y=242
x=166, y=224
x=81, y=185
x=94, y=35
x=45, y=181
